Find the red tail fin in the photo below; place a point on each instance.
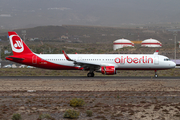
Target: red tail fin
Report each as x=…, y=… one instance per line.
x=17, y=45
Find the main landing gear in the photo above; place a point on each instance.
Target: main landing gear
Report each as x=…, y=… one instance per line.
x=156, y=75
x=90, y=74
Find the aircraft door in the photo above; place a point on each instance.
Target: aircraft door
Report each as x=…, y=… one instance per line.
x=156, y=60
x=34, y=59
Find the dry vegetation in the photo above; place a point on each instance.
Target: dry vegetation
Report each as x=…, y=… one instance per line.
x=94, y=34
x=104, y=99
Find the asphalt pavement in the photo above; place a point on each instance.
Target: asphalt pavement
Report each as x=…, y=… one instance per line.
x=88, y=78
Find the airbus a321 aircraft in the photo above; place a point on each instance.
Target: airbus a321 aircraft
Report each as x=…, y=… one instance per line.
x=105, y=63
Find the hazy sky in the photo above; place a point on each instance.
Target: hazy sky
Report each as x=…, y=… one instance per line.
x=30, y=13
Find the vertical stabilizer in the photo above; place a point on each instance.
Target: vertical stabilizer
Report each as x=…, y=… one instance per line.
x=17, y=45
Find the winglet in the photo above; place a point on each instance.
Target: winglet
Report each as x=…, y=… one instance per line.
x=156, y=53
x=66, y=56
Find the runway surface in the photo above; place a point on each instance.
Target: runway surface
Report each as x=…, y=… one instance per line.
x=86, y=78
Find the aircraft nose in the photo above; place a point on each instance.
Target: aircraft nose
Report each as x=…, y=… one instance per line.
x=173, y=64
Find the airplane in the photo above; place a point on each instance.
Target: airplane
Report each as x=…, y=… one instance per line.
x=106, y=64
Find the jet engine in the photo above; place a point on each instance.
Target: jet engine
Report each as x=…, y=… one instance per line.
x=108, y=70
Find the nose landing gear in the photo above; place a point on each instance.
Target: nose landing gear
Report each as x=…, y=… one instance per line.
x=156, y=75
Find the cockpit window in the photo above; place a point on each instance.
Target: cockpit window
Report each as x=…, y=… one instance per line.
x=166, y=59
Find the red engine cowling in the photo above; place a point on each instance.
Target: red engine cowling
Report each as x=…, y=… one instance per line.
x=108, y=70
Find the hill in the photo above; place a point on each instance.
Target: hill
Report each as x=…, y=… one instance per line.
x=44, y=32
x=96, y=34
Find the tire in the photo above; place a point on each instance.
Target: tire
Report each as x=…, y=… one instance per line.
x=156, y=76
x=90, y=75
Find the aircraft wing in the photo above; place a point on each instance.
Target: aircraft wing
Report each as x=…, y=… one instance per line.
x=82, y=64
x=86, y=63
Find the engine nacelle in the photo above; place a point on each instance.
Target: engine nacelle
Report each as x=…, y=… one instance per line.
x=108, y=70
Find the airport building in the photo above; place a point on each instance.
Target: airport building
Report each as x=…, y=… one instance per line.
x=120, y=43
x=151, y=43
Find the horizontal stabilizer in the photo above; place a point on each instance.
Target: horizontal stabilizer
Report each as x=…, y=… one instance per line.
x=15, y=58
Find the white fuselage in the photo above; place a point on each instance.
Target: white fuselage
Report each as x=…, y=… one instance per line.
x=120, y=61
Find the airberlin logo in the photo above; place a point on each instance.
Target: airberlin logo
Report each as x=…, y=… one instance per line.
x=143, y=59
x=16, y=43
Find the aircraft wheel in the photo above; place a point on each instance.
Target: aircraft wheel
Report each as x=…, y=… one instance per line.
x=156, y=76
x=90, y=74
